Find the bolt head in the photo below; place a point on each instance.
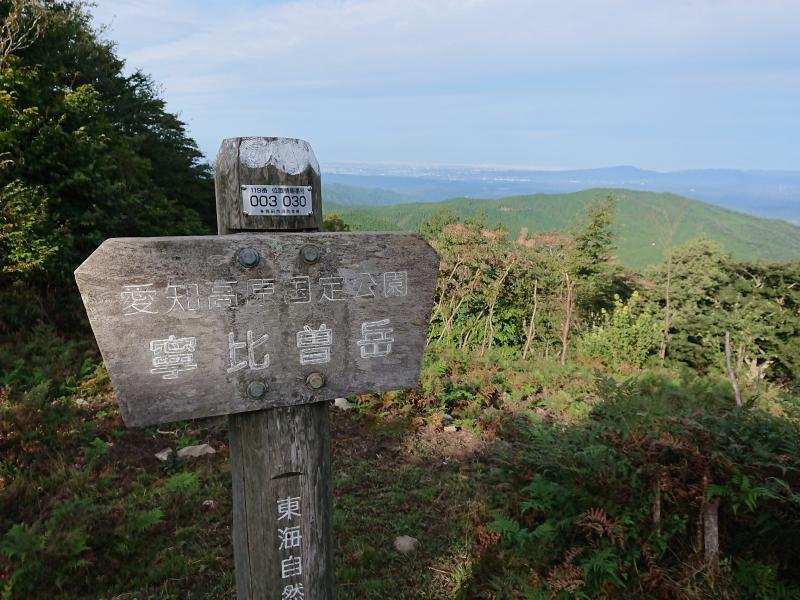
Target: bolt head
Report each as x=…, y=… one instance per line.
x=248, y=257
x=257, y=389
x=310, y=253
x=315, y=380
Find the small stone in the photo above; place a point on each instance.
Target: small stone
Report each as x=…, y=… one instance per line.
x=342, y=404
x=164, y=454
x=195, y=451
x=451, y=429
x=82, y=402
x=447, y=419
x=405, y=544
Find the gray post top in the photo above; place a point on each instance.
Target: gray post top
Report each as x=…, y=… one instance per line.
x=289, y=155
x=267, y=184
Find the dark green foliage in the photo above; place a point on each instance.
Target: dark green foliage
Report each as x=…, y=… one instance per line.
x=87, y=153
x=84, y=508
x=759, y=303
x=434, y=225
x=534, y=296
x=592, y=257
x=26, y=240
x=578, y=516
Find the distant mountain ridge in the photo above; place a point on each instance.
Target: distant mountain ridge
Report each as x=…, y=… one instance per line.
x=641, y=221
x=355, y=195
x=769, y=194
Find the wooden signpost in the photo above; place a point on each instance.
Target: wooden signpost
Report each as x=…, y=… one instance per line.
x=263, y=323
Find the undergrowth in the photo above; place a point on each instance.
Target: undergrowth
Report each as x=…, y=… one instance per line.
x=605, y=502
x=586, y=484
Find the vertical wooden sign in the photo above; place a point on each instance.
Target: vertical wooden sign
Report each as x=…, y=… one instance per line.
x=280, y=458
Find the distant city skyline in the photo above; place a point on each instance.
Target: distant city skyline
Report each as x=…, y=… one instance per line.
x=568, y=85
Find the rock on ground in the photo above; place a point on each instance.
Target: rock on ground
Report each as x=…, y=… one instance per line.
x=342, y=404
x=164, y=454
x=405, y=544
x=195, y=451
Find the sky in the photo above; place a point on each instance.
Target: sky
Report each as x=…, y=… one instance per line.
x=658, y=84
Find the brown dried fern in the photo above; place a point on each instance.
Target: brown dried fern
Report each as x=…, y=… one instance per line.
x=566, y=577
x=597, y=525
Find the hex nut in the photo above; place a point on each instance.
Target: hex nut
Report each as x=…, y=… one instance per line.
x=310, y=254
x=248, y=257
x=315, y=380
x=256, y=389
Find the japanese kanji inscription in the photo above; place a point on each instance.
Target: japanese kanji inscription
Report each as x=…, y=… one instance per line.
x=187, y=325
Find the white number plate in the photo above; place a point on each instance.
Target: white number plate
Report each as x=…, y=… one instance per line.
x=276, y=200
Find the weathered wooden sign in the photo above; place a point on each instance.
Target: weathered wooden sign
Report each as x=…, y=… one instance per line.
x=200, y=326
x=267, y=319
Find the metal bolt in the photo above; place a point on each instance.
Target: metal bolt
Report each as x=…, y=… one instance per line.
x=248, y=257
x=256, y=389
x=310, y=254
x=315, y=380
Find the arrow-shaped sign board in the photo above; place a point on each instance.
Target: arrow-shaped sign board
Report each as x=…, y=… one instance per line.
x=199, y=326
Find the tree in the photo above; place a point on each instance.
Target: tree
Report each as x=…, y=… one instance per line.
x=594, y=241
x=23, y=22
x=93, y=150
x=590, y=260
x=524, y=294
x=697, y=274
x=26, y=242
x=669, y=242
x=432, y=227
x=334, y=222
x=590, y=279
x=569, y=307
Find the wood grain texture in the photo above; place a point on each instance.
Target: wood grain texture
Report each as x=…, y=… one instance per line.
x=266, y=160
x=191, y=300
x=278, y=454
x=353, y=283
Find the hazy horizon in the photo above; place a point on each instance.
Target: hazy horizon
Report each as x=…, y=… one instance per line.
x=536, y=168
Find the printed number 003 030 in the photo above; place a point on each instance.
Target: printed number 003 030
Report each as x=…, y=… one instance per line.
x=272, y=200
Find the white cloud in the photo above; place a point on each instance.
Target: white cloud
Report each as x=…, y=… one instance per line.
x=330, y=67
x=414, y=37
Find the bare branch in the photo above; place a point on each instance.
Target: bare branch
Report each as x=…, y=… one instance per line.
x=737, y=394
x=21, y=27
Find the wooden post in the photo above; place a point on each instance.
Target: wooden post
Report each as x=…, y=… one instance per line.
x=265, y=327
x=280, y=458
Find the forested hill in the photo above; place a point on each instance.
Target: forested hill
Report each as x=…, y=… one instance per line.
x=340, y=193
x=643, y=221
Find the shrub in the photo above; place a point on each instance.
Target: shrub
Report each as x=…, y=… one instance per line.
x=624, y=336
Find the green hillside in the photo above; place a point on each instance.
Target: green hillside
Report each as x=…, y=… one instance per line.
x=642, y=220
